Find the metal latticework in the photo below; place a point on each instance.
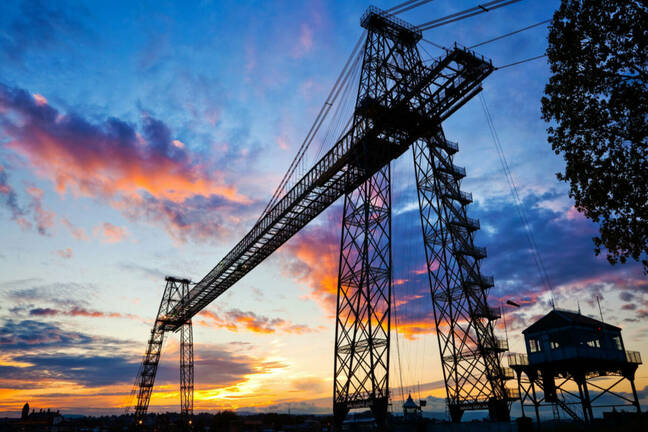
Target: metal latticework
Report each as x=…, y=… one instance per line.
x=400, y=101
x=363, y=306
x=361, y=365
x=186, y=374
x=470, y=351
x=174, y=293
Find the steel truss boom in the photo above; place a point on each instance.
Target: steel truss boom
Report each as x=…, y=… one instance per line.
x=441, y=88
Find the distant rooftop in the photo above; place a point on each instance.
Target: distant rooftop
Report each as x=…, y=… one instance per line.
x=559, y=318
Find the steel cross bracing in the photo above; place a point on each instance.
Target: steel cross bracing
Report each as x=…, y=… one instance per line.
x=186, y=374
x=470, y=352
x=400, y=101
x=175, y=292
x=362, y=329
x=440, y=89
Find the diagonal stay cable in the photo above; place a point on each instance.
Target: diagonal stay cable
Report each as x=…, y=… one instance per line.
x=477, y=10
x=510, y=34
x=326, y=107
x=518, y=201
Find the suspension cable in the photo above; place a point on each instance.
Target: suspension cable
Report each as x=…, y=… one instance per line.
x=510, y=34
x=521, y=61
x=516, y=198
x=326, y=107
x=400, y=365
x=404, y=7
x=477, y=10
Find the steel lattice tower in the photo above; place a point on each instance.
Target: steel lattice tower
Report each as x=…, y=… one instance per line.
x=186, y=373
x=175, y=293
x=361, y=365
x=470, y=352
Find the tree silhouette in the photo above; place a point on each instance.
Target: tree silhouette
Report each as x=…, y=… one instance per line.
x=596, y=102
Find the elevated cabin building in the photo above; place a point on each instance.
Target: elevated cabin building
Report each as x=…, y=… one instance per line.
x=567, y=355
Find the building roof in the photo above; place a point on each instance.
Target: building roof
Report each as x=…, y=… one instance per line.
x=562, y=318
x=409, y=403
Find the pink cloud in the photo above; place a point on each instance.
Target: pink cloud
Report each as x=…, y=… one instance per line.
x=236, y=320
x=66, y=253
x=110, y=233
x=313, y=258
x=304, y=41
x=113, y=162
x=77, y=232
x=44, y=219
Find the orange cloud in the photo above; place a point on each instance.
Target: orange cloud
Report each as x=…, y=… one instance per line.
x=113, y=162
x=40, y=99
x=110, y=233
x=235, y=320
x=77, y=232
x=313, y=258
x=66, y=253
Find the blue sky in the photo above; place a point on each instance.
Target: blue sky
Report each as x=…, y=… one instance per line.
x=140, y=140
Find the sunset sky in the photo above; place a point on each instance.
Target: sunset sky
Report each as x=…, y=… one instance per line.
x=143, y=139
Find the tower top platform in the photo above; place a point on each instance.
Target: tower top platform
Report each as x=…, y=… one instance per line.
x=380, y=21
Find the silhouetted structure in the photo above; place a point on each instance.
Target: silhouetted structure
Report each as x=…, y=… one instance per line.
x=175, y=292
x=401, y=103
x=566, y=352
x=36, y=420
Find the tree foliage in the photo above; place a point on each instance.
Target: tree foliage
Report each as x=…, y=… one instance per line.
x=596, y=103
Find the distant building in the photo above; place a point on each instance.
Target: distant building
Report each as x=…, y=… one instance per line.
x=49, y=421
x=411, y=411
x=566, y=348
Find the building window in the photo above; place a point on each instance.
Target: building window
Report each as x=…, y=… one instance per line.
x=594, y=343
x=554, y=345
x=534, y=345
x=616, y=340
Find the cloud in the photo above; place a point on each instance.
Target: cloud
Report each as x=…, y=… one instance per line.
x=38, y=355
x=65, y=294
x=77, y=232
x=38, y=25
x=66, y=253
x=312, y=257
x=29, y=335
x=140, y=172
x=8, y=196
x=304, y=42
x=236, y=320
x=310, y=385
x=44, y=219
x=86, y=370
x=79, y=312
x=563, y=240
x=110, y=233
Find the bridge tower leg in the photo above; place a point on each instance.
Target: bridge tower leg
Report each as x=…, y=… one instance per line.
x=363, y=305
x=186, y=370
x=470, y=352
x=173, y=293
